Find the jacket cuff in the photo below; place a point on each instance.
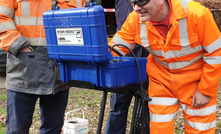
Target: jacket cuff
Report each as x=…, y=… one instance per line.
x=18, y=44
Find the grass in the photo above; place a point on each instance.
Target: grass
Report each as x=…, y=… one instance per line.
x=3, y=96
x=3, y=101
x=90, y=102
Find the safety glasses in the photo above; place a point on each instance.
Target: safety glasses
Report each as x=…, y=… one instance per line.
x=140, y=3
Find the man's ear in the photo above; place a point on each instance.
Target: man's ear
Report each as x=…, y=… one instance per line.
x=161, y=2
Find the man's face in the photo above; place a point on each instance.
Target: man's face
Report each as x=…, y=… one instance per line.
x=149, y=10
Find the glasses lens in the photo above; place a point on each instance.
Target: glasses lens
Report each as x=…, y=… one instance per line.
x=142, y=2
x=139, y=2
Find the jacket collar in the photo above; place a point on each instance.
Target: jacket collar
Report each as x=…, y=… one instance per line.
x=178, y=11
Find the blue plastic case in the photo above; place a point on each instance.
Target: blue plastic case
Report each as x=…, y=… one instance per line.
x=122, y=72
x=69, y=35
x=117, y=74
x=77, y=40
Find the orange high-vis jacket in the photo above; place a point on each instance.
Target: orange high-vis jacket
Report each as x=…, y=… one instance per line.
x=23, y=18
x=192, y=42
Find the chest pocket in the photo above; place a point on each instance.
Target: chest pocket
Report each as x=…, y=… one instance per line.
x=184, y=41
x=154, y=47
x=189, y=45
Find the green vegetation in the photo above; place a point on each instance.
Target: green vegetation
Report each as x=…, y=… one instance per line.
x=3, y=96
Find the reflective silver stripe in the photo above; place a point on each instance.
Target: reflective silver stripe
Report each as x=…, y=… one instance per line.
x=118, y=49
x=25, y=19
x=178, y=65
x=199, y=112
x=116, y=39
x=37, y=41
x=186, y=50
x=161, y=62
x=163, y=101
x=184, y=38
x=7, y=11
x=213, y=60
x=214, y=46
x=155, y=52
x=25, y=9
x=182, y=64
x=7, y=26
x=184, y=3
x=78, y=3
x=201, y=126
x=163, y=117
x=28, y=20
x=143, y=35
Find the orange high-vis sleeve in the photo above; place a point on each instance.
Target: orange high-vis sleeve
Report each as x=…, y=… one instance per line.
x=24, y=18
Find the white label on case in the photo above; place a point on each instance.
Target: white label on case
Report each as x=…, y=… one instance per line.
x=70, y=36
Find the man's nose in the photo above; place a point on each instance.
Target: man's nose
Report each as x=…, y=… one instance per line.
x=136, y=7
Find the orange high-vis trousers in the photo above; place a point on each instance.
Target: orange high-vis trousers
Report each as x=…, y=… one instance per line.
x=168, y=91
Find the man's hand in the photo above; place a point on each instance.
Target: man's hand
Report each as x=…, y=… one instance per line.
x=26, y=49
x=200, y=100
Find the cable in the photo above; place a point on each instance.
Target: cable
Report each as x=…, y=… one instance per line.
x=134, y=58
x=141, y=88
x=118, y=53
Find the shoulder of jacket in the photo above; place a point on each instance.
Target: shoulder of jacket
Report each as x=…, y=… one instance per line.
x=194, y=6
x=134, y=15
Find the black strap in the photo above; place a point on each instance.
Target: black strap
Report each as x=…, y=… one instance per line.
x=54, y=4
